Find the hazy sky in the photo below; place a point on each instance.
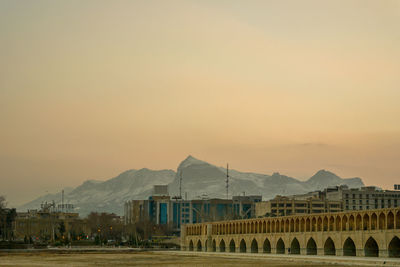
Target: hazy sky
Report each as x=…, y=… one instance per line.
x=89, y=89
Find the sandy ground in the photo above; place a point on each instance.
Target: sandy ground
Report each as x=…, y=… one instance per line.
x=174, y=258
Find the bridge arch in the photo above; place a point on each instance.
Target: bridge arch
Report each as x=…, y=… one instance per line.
x=254, y=246
x=344, y=223
x=394, y=247
x=382, y=221
x=371, y=248
x=308, y=223
x=191, y=245
x=366, y=225
x=358, y=222
x=199, y=247
x=349, y=248
x=280, y=247
x=232, y=246
x=222, y=246
x=398, y=220
x=214, y=246
x=390, y=220
x=319, y=224
x=242, y=246
x=325, y=224
x=331, y=223
x=351, y=223
x=311, y=247
x=338, y=223
x=295, y=246
x=329, y=247
x=374, y=221
x=267, y=246
x=313, y=224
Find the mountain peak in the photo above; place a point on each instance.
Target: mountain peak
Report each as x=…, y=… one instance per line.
x=190, y=160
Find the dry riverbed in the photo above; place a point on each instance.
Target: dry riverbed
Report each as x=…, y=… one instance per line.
x=171, y=258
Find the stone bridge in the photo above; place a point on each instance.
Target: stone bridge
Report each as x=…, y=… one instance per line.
x=373, y=233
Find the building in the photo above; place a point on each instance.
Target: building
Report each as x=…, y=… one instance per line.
x=364, y=198
x=285, y=206
x=164, y=210
x=7, y=223
x=48, y=223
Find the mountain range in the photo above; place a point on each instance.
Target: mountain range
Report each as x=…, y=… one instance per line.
x=199, y=178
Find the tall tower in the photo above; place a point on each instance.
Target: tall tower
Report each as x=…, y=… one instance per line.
x=180, y=185
x=227, y=180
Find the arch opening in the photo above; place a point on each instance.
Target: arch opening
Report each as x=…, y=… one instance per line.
x=222, y=246
x=242, y=246
x=311, y=247
x=295, y=247
x=214, y=246
x=390, y=220
x=254, y=246
x=329, y=247
x=232, y=246
x=267, y=246
x=199, y=247
x=394, y=248
x=349, y=248
x=191, y=245
x=371, y=248
x=280, y=247
x=382, y=221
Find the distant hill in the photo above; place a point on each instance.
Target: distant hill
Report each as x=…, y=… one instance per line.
x=198, y=178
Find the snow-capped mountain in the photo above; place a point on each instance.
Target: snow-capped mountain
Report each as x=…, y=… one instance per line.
x=198, y=178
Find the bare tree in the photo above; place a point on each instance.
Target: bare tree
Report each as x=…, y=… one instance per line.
x=3, y=202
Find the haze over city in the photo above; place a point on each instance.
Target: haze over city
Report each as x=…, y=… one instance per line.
x=89, y=89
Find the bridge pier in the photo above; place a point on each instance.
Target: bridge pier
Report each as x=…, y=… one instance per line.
x=303, y=251
x=383, y=253
x=360, y=252
x=339, y=252
x=183, y=239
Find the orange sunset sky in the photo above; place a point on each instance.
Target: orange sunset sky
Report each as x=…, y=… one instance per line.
x=89, y=89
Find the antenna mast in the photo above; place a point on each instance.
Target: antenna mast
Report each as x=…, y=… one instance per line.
x=180, y=185
x=227, y=180
x=62, y=200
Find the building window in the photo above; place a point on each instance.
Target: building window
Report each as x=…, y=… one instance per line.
x=360, y=207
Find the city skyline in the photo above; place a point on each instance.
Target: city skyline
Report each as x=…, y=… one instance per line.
x=91, y=89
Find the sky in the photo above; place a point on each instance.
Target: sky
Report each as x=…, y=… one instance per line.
x=89, y=89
